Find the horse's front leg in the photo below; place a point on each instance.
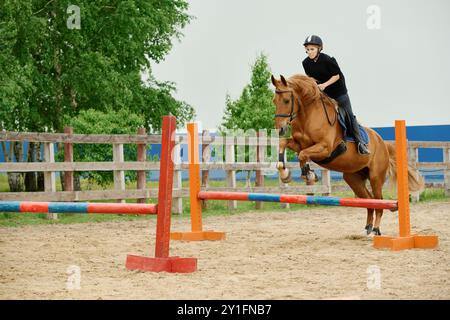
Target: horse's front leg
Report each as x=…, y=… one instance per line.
x=285, y=174
x=317, y=151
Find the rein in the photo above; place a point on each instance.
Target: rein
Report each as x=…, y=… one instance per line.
x=326, y=112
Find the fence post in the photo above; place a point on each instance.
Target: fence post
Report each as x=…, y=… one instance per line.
x=260, y=158
x=326, y=181
x=447, y=171
x=142, y=157
x=177, y=202
x=413, y=157
x=231, y=174
x=49, y=176
x=68, y=157
x=206, y=158
x=119, y=175
x=284, y=205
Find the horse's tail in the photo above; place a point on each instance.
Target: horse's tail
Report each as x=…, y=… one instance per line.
x=416, y=182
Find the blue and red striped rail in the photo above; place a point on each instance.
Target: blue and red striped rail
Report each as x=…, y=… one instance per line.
x=300, y=199
x=77, y=207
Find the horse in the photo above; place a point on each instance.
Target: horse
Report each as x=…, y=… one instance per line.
x=317, y=136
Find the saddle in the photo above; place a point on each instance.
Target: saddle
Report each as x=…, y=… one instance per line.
x=344, y=119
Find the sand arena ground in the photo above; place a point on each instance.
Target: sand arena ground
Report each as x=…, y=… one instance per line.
x=306, y=254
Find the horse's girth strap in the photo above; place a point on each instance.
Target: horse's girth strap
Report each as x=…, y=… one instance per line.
x=340, y=149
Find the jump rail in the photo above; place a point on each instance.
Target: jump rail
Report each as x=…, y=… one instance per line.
x=77, y=207
x=300, y=199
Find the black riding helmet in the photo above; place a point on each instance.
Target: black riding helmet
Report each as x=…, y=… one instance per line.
x=313, y=39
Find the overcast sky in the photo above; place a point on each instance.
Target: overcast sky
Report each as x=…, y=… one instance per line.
x=396, y=67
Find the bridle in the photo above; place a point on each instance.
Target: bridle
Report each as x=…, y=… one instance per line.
x=292, y=114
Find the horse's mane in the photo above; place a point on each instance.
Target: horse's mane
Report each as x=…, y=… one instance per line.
x=305, y=86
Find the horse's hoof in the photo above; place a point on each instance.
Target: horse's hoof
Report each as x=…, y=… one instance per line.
x=280, y=165
x=287, y=179
x=376, y=232
x=311, y=176
x=368, y=229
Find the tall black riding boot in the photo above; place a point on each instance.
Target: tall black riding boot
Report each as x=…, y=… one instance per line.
x=361, y=146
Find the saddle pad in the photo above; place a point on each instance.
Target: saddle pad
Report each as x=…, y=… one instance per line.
x=347, y=134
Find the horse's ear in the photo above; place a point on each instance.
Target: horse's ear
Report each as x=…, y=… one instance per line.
x=283, y=80
x=274, y=81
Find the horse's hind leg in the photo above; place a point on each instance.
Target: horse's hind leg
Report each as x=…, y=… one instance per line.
x=377, y=189
x=357, y=182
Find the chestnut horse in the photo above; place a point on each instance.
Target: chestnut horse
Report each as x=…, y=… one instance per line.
x=316, y=133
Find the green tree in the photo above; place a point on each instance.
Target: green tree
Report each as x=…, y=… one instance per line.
x=52, y=69
x=96, y=122
x=254, y=109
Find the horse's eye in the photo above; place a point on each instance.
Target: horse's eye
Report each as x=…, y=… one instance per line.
x=286, y=101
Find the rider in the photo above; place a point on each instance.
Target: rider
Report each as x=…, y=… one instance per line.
x=325, y=70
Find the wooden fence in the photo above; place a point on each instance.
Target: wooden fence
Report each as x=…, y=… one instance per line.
x=223, y=148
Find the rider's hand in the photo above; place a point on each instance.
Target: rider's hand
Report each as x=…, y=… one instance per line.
x=321, y=86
